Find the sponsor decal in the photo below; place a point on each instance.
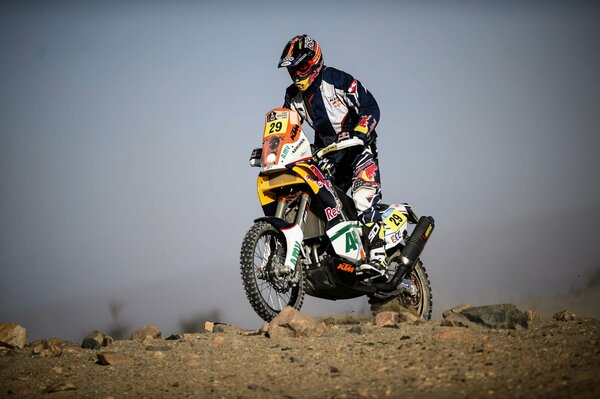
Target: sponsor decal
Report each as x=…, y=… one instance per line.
x=351, y=241
x=368, y=184
x=334, y=101
x=309, y=43
x=396, y=237
x=352, y=88
x=428, y=232
x=295, y=253
x=345, y=267
x=344, y=136
x=285, y=152
x=299, y=60
x=299, y=145
x=294, y=132
x=322, y=181
x=271, y=116
x=286, y=63
x=387, y=213
x=374, y=232
x=364, y=121
x=367, y=173
x=331, y=213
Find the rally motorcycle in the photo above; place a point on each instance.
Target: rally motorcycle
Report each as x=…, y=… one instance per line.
x=288, y=253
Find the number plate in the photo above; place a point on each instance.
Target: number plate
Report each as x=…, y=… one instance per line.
x=395, y=220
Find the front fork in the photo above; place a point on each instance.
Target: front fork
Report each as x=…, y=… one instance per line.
x=293, y=232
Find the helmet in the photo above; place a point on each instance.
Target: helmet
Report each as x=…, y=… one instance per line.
x=303, y=60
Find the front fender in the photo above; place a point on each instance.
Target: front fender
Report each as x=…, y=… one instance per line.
x=293, y=238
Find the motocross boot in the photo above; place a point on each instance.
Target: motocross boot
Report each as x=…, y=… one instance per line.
x=376, y=266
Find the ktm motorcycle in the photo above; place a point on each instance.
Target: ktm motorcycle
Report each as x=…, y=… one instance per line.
x=288, y=253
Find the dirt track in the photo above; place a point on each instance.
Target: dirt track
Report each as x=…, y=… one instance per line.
x=550, y=359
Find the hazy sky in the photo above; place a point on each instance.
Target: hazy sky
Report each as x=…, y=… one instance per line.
x=126, y=127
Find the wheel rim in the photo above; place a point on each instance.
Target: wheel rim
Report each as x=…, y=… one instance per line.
x=415, y=301
x=269, y=252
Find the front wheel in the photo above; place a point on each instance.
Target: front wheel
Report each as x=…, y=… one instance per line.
x=268, y=286
x=420, y=303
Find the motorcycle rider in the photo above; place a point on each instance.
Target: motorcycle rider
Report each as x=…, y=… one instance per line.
x=338, y=108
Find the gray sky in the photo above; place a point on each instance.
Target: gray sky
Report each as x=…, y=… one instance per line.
x=126, y=127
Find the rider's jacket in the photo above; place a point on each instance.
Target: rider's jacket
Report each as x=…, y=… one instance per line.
x=335, y=103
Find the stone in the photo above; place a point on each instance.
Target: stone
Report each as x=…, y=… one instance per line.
x=111, y=358
x=264, y=328
x=292, y=323
x=208, y=326
x=359, y=330
x=459, y=320
x=532, y=316
x=224, y=328
x=149, y=331
x=496, y=316
x=407, y=317
x=452, y=323
x=13, y=335
x=564, y=315
x=96, y=340
x=59, y=386
x=50, y=347
x=383, y=319
x=456, y=309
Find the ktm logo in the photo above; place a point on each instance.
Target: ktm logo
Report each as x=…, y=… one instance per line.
x=346, y=267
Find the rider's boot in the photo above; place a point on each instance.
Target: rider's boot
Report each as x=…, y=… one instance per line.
x=376, y=266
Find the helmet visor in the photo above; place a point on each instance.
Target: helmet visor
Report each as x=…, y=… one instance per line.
x=301, y=71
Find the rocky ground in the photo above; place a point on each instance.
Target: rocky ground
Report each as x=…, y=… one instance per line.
x=296, y=357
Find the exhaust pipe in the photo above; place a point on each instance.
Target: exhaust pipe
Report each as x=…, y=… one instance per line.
x=416, y=242
x=411, y=252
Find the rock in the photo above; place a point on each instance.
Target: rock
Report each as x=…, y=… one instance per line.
x=360, y=330
x=13, y=335
x=264, y=328
x=59, y=386
x=456, y=309
x=227, y=329
x=149, y=331
x=111, y=358
x=174, y=337
x=96, y=340
x=532, y=316
x=564, y=315
x=208, y=326
x=459, y=320
x=383, y=319
x=292, y=323
x=496, y=316
x=452, y=323
x=407, y=317
x=50, y=347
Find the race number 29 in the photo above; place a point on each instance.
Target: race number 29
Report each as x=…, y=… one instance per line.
x=275, y=127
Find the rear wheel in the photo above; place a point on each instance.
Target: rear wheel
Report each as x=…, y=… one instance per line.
x=419, y=302
x=268, y=285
